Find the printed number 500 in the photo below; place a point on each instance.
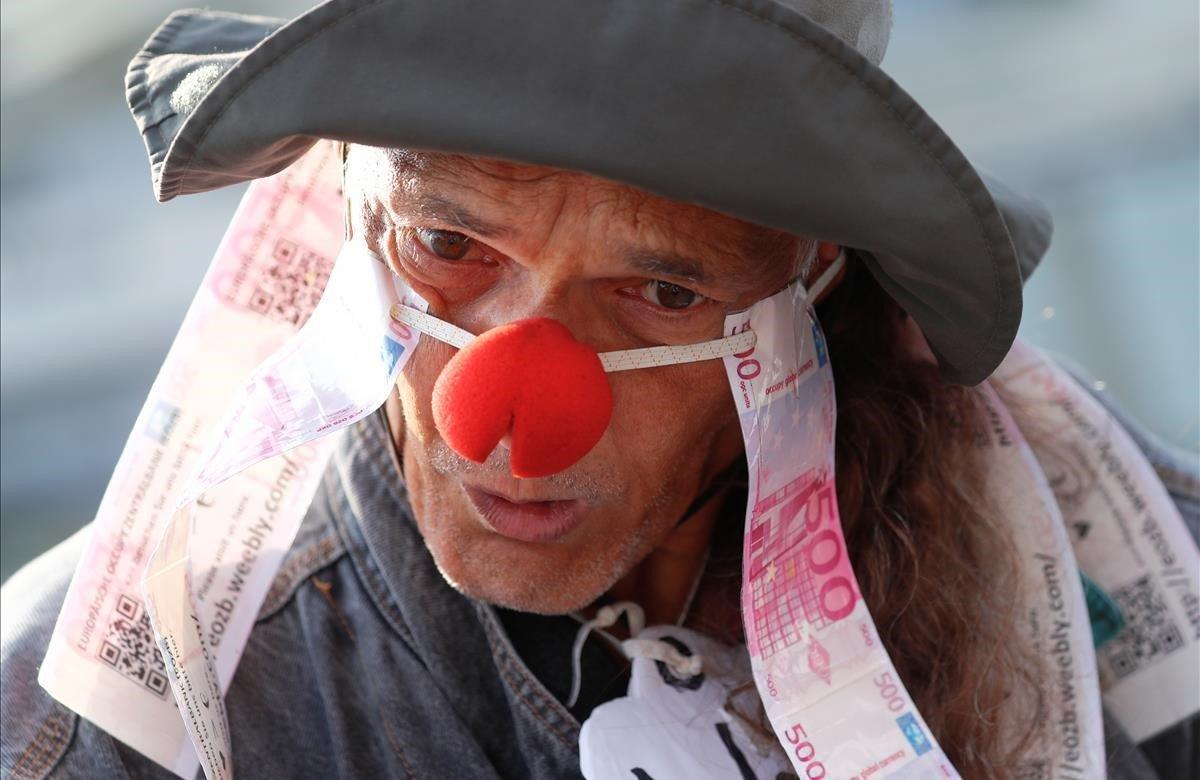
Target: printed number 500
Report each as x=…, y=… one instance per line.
x=805, y=752
x=890, y=691
x=747, y=368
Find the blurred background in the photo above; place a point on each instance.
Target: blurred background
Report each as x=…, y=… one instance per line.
x=1091, y=106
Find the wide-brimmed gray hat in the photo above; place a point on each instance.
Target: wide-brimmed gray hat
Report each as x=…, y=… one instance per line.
x=774, y=111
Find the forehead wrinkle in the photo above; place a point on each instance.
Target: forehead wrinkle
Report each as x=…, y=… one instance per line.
x=680, y=240
x=464, y=167
x=509, y=171
x=719, y=260
x=425, y=184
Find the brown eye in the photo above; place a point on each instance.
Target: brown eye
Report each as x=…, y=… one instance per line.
x=672, y=296
x=446, y=244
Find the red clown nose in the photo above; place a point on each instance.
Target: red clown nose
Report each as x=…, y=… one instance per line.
x=532, y=379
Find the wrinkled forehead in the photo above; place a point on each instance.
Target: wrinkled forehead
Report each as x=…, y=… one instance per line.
x=493, y=198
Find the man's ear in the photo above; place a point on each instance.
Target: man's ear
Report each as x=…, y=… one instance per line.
x=827, y=252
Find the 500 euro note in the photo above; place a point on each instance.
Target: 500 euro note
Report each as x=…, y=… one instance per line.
x=264, y=282
x=829, y=688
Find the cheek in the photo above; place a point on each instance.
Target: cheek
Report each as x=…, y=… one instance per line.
x=415, y=387
x=664, y=419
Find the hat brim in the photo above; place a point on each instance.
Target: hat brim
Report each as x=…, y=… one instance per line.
x=741, y=106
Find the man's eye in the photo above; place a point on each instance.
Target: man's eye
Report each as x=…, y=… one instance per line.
x=446, y=244
x=672, y=296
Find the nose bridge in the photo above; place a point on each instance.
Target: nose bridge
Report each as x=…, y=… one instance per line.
x=562, y=298
x=556, y=267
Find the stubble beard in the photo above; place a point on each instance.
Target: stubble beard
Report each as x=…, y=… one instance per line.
x=573, y=587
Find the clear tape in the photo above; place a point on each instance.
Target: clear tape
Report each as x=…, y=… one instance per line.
x=432, y=326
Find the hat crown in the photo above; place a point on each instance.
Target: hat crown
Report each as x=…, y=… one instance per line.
x=864, y=25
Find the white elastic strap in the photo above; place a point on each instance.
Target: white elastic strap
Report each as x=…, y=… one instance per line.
x=650, y=357
x=620, y=360
x=606, y=616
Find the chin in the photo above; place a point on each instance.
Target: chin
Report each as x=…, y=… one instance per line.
x=529, y=577
x=522, y=597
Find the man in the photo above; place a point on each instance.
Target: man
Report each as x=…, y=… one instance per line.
x=423, y=623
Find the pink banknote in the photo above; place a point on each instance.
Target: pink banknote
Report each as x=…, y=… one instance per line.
x=831, y=692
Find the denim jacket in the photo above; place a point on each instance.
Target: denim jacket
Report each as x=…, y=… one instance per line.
x=365, y=663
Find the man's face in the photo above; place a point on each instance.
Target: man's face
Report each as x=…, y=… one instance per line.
x=488, y=242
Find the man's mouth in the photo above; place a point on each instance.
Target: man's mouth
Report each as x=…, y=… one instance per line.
x=525, y=521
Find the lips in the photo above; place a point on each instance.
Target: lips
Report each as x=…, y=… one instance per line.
x=526, y=521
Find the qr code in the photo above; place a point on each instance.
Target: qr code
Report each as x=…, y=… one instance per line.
x=1033, y=769
x=288, y=290
x=1149, y=633
x=129, y=647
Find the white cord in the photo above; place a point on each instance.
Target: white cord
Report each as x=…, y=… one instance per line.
x=606, y=616
x=658, y=650
x=635, y=647
x=692, y=591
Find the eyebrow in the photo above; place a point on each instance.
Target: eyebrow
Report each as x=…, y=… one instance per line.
x=650, y=262
x=667, y=264
x=446, y=211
